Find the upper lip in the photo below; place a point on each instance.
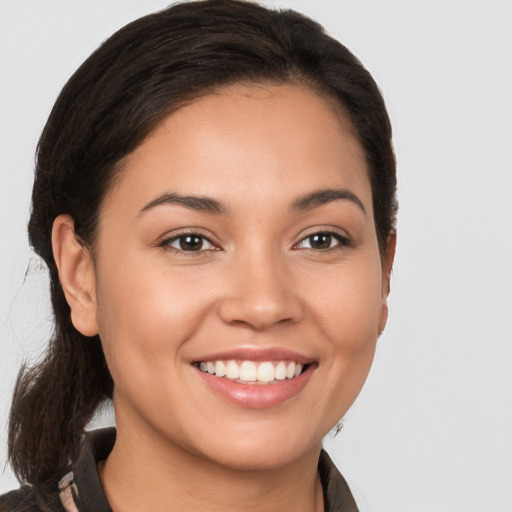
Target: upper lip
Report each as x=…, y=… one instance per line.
x=257, y=354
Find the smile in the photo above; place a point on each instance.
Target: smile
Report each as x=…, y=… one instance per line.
x=253, y=372
x=255, y=378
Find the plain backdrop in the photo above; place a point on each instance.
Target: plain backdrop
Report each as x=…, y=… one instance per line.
x=432, y=430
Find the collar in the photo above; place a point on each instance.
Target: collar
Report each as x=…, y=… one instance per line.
x=82, y=487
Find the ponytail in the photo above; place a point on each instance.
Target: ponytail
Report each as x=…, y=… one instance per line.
x=54, y=400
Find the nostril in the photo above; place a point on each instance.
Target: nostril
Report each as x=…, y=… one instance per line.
x=260, y=312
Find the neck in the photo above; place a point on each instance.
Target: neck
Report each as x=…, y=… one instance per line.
x=152, y=474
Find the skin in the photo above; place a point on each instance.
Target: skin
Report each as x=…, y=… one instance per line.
x=259, y=284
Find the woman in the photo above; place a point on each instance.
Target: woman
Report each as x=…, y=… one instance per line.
x=215, y=200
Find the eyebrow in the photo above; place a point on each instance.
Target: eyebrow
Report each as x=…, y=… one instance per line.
x=213, y=206
x=321, y=197
x=198, y=203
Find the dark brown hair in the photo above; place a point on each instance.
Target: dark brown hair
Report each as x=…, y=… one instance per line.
x=141, y=74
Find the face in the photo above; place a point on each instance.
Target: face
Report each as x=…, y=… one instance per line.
x=240, y=290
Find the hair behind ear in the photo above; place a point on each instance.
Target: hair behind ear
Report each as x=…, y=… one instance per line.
x=60, y=396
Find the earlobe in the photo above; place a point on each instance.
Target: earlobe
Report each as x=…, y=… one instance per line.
x=77, y=275
x=383, y=317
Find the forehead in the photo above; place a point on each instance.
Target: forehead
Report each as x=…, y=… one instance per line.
x=252, y=141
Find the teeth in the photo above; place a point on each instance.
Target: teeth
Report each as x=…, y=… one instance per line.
x=232, y=370
x=280, y=371
x=266, y=372
x=220, y=369
x=250, y=371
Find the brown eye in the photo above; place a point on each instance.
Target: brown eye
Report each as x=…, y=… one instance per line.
x=323, y=241
x=320, y=241
x=189, y=242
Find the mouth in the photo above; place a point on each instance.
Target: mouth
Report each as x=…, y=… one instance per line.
x=256, y=379
x=253, y=372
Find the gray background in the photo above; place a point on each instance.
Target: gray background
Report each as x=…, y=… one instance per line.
x=432, y=430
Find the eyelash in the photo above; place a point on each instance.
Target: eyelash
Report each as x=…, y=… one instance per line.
x=167, y=243
x=341, y=242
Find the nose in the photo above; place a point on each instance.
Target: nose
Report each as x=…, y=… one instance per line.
x=261, y=294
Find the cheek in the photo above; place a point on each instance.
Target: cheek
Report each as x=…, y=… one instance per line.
x=350, y=322
x=348, y=316
x=147, y=316
x=348, y=306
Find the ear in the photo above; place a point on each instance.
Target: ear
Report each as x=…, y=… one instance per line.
x=77, y=275
x=387, y=266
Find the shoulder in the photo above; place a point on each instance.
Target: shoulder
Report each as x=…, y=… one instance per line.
x=77, y=487
x=21, y=499
x=25, y=499
x=337, y=494
x=81, y=478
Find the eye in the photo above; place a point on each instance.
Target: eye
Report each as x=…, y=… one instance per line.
x=323, y=241
x=188, y=242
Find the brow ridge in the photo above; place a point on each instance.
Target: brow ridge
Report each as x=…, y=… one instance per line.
x=324, y=196
x=198, y=203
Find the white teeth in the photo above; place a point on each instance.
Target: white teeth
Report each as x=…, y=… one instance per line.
x=266, y=372
x=254, y=372
x=280, y=371
x=232, y=370
x=248, y=371
x=220, y=369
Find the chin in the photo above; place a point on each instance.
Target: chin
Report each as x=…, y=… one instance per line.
x=259, y=459
x=264, y=448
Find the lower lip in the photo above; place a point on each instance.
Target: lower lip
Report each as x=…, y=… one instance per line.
x=257, y=396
